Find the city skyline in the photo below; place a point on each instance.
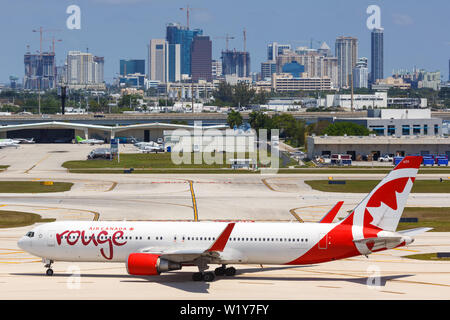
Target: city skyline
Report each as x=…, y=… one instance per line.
x=411, y=30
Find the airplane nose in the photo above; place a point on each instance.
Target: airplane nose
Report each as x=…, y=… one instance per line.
x=23, y=243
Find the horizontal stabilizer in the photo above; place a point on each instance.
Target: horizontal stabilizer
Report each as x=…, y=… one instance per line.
x=379, y=243
x=415, y=231
x=377, y=239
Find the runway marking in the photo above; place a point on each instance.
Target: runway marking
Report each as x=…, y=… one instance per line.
x=17, y=262
x=364, y=276
x=114, y=184
x=268, y=185
x=392, y=292
x=406, y=250
x=256, y=282
x=11, y=252
x=96, y=214
x=43, y=159
x=296, y=216
x=194, y=202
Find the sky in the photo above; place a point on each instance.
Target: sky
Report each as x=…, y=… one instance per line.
x=416, y=32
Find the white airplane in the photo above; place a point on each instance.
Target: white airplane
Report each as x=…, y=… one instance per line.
x=26, y=141
x=9, y=143
x=150, y=248
x=89, y=141
x=149, y=146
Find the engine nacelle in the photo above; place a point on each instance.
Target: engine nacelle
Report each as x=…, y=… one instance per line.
x=147, y=264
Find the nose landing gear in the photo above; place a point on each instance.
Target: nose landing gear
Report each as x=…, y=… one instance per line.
x=48, y=264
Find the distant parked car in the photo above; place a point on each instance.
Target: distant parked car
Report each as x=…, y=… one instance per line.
x=100, y=153
x=386, y=158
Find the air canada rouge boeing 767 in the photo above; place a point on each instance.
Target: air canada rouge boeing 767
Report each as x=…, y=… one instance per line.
x=150, y=248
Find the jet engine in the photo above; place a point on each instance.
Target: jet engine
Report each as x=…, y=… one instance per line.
x=147, y=264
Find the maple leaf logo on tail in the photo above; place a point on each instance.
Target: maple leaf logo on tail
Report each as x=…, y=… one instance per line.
x=383, y=207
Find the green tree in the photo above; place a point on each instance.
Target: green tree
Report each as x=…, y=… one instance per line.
x=260, y=98
x=259, y=120
x=224, y=94
x=318, y=127
x=242, y=94
x=234, y=119
x=348, y=128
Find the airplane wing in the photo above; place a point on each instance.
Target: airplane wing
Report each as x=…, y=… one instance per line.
x=188, y=255
x=329, y=217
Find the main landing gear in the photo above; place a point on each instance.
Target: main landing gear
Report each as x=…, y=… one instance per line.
x=210, y=276
x=48, y=264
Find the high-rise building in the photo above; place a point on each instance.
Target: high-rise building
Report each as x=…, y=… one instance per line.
x=315, y=62
x=201, y=57
x=324, y=50
x=267, y=69
x=176, y=34
x=84, y=70
x=99, y=67
x=216, y=69
x=39, y=71
x=132, y=66
x=158, y=60
x=361, y=74
x=274, y=49
x=174, y=62
x=236, y=63
x=347, y=54
x=377, y=57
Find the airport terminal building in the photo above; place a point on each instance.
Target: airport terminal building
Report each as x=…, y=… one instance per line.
x=377, y=146
x=397, y=122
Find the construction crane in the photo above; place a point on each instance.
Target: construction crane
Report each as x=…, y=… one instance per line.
x=245, y=40
x=41, y=32
x=188, y=10
x=227, y=39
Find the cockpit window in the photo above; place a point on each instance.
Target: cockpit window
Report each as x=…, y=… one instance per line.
x=30, y=234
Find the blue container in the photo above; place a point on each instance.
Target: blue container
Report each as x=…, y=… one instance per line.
x=428, y=161
x=397, y=160
x=169, y=149
x=441, y=161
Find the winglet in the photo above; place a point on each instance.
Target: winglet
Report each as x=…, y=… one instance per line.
x=329, y=217
x=222, y=240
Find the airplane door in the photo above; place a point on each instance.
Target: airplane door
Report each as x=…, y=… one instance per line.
x=323, y=241
x=51, y=238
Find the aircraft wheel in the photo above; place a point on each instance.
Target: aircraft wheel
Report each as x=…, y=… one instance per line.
x=208, y=276
x=219, y=271
x=197, y=276
x=231, y=271
x=49, y=272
